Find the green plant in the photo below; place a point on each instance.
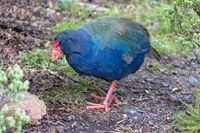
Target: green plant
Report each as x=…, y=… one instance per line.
x=68, y=24
x=10, y=85
x=184, y=20
x=189, y=121
x=63, y=4
x=156, y=64
x=40, y=58
x=73, y=9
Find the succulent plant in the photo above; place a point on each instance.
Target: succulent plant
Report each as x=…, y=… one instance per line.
x=11, y=83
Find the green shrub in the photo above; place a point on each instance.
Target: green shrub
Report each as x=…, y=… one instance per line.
x=184, y=20
x=10, y=85
x=189, y=121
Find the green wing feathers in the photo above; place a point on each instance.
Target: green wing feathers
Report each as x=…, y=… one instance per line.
x=124, y=35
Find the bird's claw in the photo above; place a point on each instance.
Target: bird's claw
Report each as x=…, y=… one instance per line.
x=113, y=98
x=110, y=97
x=97, y=106
x=97, y=97
x=105, y=104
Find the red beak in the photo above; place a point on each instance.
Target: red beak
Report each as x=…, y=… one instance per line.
x=56, y=52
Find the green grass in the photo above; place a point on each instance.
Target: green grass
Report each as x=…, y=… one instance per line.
x=189, y=121
x=156, y=64
x=57, y=94
x=64, y=94
x=40, y=58
x=68, y=24
x=74, y=10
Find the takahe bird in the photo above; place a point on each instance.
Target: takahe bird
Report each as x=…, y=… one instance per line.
x=109, y=48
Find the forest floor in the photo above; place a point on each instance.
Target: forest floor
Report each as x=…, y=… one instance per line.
x=148, y=98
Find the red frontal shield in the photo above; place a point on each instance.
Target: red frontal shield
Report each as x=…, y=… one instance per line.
x=56, y=52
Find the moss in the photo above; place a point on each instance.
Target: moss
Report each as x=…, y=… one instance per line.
x=65, y=92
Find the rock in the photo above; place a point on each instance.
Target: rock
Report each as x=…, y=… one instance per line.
x=32, y=105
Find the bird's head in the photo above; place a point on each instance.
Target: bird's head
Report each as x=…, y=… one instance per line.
x=65, y=43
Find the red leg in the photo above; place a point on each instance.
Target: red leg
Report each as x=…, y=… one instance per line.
x=107, y=101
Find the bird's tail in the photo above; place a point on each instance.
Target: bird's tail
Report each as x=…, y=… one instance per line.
x=152, y=53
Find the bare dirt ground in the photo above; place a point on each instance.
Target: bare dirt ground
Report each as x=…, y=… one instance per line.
x=148, y=100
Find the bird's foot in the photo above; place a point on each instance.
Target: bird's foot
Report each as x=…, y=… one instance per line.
x=98, y=106
x=106, y=102
x=97, y=97
x=110, y=97
x=113, y=97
